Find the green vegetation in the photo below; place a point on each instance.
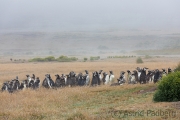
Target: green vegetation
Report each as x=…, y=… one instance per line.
x=17, y=60
x=50, y=58
x=46, y=59
x=168, y=88
x=85, y=59
x=147, y=57
x=139, y=60
x=94, y=58
x=37, y=60
x=62, y=58
x=120, y=56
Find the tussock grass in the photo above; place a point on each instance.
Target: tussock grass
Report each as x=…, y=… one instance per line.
x=77, y=102
x=177, y=67
x=85, y=103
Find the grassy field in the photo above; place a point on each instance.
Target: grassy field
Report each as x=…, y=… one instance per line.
x=103, y=102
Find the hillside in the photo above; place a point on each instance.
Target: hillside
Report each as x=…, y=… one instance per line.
x=85, y=43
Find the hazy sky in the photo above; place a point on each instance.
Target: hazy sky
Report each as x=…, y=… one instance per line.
x=88, y=14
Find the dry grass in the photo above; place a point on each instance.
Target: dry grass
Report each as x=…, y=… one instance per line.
x=78, y=102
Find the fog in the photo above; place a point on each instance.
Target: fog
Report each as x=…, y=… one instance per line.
x=68, y=15
x=88, y=27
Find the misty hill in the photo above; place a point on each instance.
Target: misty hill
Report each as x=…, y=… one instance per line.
x=85, y=43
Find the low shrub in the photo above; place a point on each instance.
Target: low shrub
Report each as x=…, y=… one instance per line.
x=63, y=58
x=120, y=56
x=37, y=60
x=85, y=59
x=168, y=88
x=46, y=59
x=50, y=58
x=139, y=60
x=147, y=57
x=94, y=58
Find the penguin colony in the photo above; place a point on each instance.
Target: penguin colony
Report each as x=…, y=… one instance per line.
x=140, y=75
